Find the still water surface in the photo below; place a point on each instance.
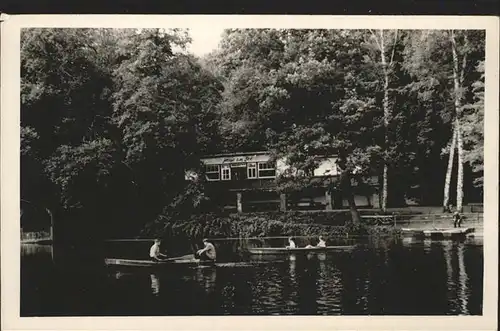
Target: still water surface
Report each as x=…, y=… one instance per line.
x=377, y=278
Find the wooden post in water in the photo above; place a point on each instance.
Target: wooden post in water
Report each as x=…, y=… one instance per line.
x=51, y=229
x=282, y=202
x=239, y=204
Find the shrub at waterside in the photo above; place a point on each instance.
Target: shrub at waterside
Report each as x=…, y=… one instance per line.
x=261, y=225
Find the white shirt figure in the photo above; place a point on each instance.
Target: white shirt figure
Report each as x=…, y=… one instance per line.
x=154, y=251
x=321, y=243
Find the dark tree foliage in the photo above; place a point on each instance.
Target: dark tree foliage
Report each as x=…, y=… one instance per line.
x=112, y=118
x=110, y=121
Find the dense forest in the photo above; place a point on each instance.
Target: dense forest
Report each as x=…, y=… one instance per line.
x=112, y=118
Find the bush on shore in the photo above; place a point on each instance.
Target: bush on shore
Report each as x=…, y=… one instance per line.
x=258, y=225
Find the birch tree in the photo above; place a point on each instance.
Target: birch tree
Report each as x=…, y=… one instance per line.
x=450, y=59
x=385, y=42
x=459, y=66
x=473, y=127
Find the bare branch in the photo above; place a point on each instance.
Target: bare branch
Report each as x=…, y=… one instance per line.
x=464, y=60
x=376, y=39
x=394, y=46
x=382, y=50
x=66, y=73
x=453, y=42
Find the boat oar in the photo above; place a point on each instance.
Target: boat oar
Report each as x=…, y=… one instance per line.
x=194, y=249
x=184, y=257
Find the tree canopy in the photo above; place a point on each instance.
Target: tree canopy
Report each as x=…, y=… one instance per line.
x=112, y=118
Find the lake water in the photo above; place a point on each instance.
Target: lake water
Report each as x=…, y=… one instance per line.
x=390, y=277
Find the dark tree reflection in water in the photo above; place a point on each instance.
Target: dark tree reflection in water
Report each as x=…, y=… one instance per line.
x=377, y=278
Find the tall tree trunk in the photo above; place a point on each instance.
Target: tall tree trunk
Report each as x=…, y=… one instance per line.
x=345, y=183
x=386, y=118
x=447, y=180
x=458, y=77
x=381, y=44
x=460, y=180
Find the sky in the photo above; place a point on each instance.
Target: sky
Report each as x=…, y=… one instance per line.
x=204, y=39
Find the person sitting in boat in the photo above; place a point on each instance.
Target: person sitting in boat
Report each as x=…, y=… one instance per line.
x=207, y=253
x=321, y=243
x=154, y=251
x=291, y=243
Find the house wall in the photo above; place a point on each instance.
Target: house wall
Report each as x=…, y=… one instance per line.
x=260, y=192
x=359, y=200
x=326, y=167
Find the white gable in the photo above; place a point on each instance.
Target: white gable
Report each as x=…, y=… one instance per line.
x=327, y=167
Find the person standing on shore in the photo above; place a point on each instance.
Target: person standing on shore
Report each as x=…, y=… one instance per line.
x=457, y=219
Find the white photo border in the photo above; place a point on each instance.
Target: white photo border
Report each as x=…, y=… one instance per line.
x=10, y=172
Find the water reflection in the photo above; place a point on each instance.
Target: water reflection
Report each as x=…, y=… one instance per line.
x=207, y=277
x=447, y=249
x=119, y=274
x=463, y=280
x=417, y=277
x=155, y=284
x=36, y=250
x=458, y=284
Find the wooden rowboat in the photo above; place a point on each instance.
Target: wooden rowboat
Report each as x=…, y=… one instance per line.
x=153, y=264
x=174, y=262
x=284, y=250
x=445, y=233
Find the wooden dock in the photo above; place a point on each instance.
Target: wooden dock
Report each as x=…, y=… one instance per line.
x=443, y=233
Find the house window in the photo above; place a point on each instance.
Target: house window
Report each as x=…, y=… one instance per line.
x=267, y=170
x=212, y=172
x=252, y=170
x=226, y=172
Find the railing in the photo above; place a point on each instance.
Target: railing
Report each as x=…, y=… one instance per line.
x=379, y=219
x=439, y=217
x=247, y=184
x=476, y=207
x=35, y=236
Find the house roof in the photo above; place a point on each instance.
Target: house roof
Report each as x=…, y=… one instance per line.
x=237, y=158
x=237, y=154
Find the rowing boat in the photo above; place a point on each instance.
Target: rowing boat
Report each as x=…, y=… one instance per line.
x=284, y=250
x=175, y=262
x=438, y=233
x=152, y=264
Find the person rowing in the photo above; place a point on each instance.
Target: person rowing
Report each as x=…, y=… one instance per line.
x=207, y=253
x=321, y=243
x=291, y=243
x=154, y=251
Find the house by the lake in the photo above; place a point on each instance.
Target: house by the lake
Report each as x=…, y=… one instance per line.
x=248, y=181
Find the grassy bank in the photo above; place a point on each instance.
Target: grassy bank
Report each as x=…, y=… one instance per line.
x=262, y=225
